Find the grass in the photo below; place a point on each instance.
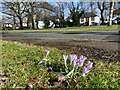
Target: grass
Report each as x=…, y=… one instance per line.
x=20, y=63
x=81, y=28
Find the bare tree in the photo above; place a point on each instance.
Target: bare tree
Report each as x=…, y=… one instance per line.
x=15, y=9
x=33, y=10
x=60, y=11
x=47, y=9
x=101, y=7
x=75, y=12
x=30, y=10
x=93, y=6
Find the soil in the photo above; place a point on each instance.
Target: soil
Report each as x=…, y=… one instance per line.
x=99, y=50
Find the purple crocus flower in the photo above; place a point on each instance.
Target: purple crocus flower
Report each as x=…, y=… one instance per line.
x=79, y=62
x=61, y=77
x=73, y=56
x=85, y=71
x=76, y=62
x=65, y=59
x=90, y=64
x=47, y=52
x=82, y=58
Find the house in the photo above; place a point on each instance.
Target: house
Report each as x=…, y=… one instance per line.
x=1, y=23
x=7, y=26
x=54, y=21
x=116, y=16
x=41, y=24
x=17, y=25
x=89, y=18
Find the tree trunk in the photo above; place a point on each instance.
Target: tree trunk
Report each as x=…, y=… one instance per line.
x=111, y=13
x=28, y=22
x=36, y=24
x=21, y=23
x=14, y=23
x=102, y=16
x=33, y=25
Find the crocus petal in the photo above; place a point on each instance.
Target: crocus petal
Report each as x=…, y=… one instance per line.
x=81, y=63
x=75, y=62
x=82, y=58
x=78, y=62
x=73, y=56
x=47, y=52
x=85, y=70
x=61, y=77
x=90, y=64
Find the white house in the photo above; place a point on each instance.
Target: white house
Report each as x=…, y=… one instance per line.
x=89, y=18
x=41, y=24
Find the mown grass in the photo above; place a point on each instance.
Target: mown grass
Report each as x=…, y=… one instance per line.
x=81, y=28
x=20, y=62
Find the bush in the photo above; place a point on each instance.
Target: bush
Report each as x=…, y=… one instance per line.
x=47, y=23
x=95, y=24
x=70, y=24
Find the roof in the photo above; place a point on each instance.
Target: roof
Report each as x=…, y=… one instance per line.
x=49, y=18
x=88, y=14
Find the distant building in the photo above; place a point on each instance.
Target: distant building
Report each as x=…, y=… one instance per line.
x=0, y=23
x=41, y=24
x=89, y=18
x=116, y=16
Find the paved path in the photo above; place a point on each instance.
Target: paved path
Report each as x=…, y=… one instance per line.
x=70, y=37
x=93, y=35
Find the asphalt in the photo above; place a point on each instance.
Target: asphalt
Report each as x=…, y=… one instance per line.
x=112, y=37
x=93, y=35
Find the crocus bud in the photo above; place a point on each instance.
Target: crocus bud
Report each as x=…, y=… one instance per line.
x=47, y=52
x=61, y=77
x=90, y=64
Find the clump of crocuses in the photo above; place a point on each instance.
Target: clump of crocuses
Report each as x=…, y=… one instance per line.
x=76, y=62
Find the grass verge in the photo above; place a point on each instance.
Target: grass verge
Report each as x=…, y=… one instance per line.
x=81, y=28
x=21, y=69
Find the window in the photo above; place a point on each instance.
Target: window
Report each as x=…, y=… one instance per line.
x=87, y=19
x=92, y=18
x=82, y=19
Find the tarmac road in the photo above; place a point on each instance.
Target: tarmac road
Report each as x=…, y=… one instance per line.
x=93, y=35
x=72, y=37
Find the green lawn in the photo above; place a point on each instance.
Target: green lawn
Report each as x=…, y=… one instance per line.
x=20, y=62
x=81, y=28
